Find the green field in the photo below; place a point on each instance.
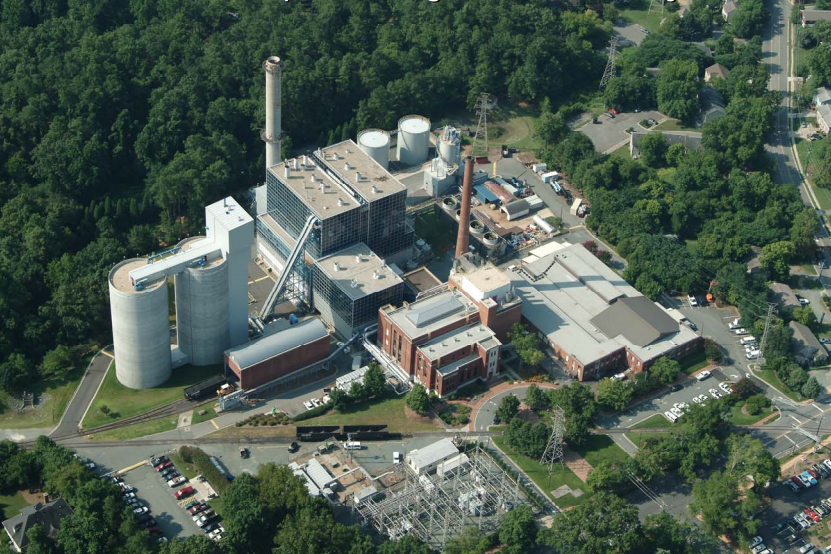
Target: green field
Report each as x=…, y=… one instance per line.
x=638, y=13
x=823, y=195
x=389, y=412
x=514, y=127
x=656, y=421
x=11, y=505
x=210, y=413
x=125, y=402
x=600, y=448
x=433, y=229
x=738, y=418
x=623, y=151
x=694, y=362
x=539, y=474
x=216, y=504
x=137, y=430
x=60, y=392
x=184, y=468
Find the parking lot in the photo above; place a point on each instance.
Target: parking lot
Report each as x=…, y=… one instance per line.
x=154, y=493
x=608, y=132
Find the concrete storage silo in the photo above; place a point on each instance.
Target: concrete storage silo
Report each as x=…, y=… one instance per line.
x=201, y=309
x=141, y=330
x=376, y=144
x=450, y=142
x=413, y=139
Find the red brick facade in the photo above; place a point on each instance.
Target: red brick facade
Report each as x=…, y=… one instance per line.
x=281, y=365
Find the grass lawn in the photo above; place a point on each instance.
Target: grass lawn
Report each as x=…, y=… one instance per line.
x=693, y=363
x=12, y=504
x=738, y=418
x=515, y=126
x=216, y=504
x=639, y=438
x=210, y=413
x=125, y=402
x=600, y=448
x=769, y=377
x=809, y=269
x=136, y=430
x=430, y=227
x=184, y=468
x=823, y=195
x=674, y=125
x=623, y=151
x=638, y=13
x=539, y=474
x=60, y=392
x=667, y=174
x=656, y=421
x=389, y=412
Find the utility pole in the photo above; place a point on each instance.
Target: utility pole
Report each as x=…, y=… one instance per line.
x=767, y=327
x=609, y=72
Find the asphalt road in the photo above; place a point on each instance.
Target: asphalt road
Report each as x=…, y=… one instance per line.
x=486, y=412
x=77, y=408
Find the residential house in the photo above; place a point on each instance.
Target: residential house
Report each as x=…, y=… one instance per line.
x=729, y=9
x=824, y=118
x=48, y=515
x=822, y=96
x=784, y=296
x=715, y=70
x=809, y=17
x=806, y=348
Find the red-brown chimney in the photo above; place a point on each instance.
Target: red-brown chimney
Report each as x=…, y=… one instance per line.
x=462, y=240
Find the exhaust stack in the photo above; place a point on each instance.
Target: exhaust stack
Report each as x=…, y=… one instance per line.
x=273, y=133
x=463, y=238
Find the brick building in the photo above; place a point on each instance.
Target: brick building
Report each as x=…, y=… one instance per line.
x=594, y=321
x=279, y=353
x=454, y=335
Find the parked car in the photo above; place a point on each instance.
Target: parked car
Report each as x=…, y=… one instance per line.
x=796, y=480
x=714, y=393
x=697, y=400
x=168, y=471
x=191, y=504
x=758, y=548
x=671, y=417
x=677, y=411
x=308, y=405
x=703, y=398
x=293, y=447
x=207, y=513
x=803, y=301
x=693, y=302
x=141, y=510
x=149, y=522
x=813, y=474
x=160, y=460
x=183, y=492
x=811, y=514
x=164, y=465
x=805, y=478
x=690, y=324
x=740, y=331
x=790, y=484
x=755, y=541
x=703, y=375
x=196, y=508
x=803, y=523
x=178, y=480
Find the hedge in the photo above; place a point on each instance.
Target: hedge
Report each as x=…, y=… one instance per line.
x=202, y=463
x=314, y=412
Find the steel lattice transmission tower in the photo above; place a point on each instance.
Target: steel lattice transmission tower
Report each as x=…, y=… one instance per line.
x=554, y=451
x=767, y=327
x=609, y=73
x=484, y=103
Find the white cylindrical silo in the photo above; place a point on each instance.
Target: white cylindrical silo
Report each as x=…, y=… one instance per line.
x=376, y=144
x=450, y=143
x=141, y=329
x=413, y=139
x=273, y=110
x=202, y=325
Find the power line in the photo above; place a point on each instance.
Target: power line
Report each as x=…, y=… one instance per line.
x=609, y=72
x=554, y=450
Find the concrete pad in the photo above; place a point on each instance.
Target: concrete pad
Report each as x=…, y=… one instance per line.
x=560, y=492
x=184, y=420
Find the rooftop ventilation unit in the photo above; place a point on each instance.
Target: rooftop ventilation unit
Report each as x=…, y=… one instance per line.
x=337, y=266
x=353, y=283
x=358, y=258
x=376, y=190
x=346, y=166
x=341, y=202
x=286, y=172
x=376, y=274
x=294, y=164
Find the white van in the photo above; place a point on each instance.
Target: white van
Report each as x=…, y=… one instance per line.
x=747, y=340
x=352, y=445
x=754, y=355
x=671, y=417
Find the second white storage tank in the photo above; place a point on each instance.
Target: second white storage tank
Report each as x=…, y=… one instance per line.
x=376, y=144
x=413, y=140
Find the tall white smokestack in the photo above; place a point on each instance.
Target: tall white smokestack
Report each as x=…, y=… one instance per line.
x=273, y=111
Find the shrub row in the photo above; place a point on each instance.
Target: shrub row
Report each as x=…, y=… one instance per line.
x=202, y=463
x=314, y=412
x=265, y=420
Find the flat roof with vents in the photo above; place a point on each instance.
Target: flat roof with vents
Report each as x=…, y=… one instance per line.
x=358, y=271
x=324, y=196
x=459, y=338
x=434, y=312
x=347, y=160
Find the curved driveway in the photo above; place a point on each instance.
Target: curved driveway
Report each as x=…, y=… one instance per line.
x=485, y=412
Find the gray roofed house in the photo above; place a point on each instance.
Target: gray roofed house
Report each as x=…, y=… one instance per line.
x=636, y=318
x=715, y=70
x=824, y=118
x=806, y=348
x=49, y=515
x=784, y=295
x=729, y=9
x=809, y=17
x=712, y=103
x=822, y=96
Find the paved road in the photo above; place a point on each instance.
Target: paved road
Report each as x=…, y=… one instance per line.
x=77, y=408
x=629, y=32
x=485, y=413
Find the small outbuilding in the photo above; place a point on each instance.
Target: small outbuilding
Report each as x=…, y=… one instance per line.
x=424, y=460
x=516, y=209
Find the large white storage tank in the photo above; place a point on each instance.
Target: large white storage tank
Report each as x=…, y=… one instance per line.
x=450, y=145
x=413, y=140
x=141, y=330
x=376, y=144
x=201, y=309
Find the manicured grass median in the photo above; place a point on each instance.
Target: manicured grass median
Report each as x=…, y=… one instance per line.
x=184, y=468
x=125, y=402
x=600, y=448
x=60, y=392
x=656, y=421
x=738, y=418
x=770, y=377
x=11, y=504
x=388, y=412
x=673, y=125
x=539, y=475
x=137, y=430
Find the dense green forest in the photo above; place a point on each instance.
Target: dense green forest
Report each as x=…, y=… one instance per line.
x=121, y=119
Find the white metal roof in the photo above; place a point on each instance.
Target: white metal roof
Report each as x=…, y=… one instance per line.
x=433, y=453
x=275, y=344
x=318, y=474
